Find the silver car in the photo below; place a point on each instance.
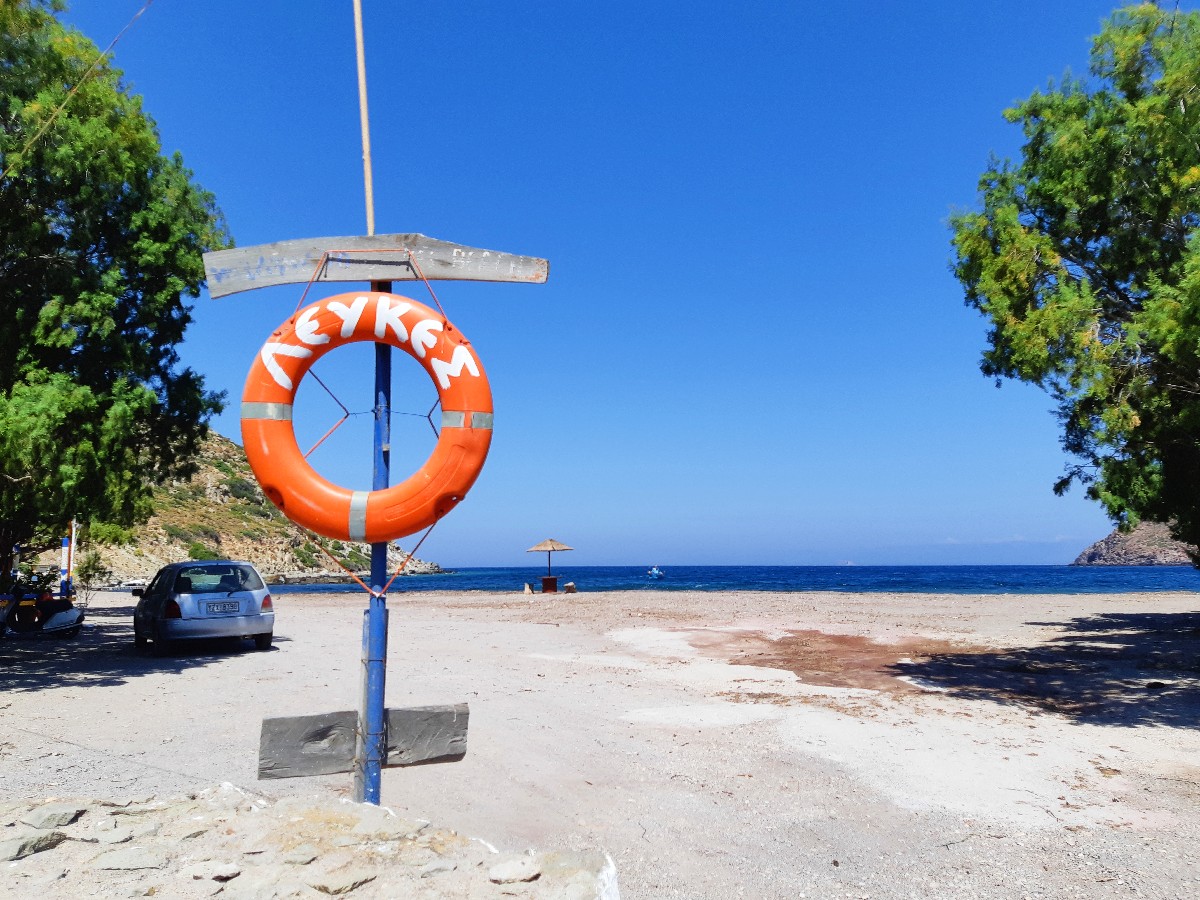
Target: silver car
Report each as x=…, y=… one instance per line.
x=209, y=599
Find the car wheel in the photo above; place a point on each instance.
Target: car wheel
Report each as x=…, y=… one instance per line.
x=139, y=639
x=263, y=641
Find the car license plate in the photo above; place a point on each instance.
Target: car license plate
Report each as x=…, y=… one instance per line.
x=229, y=606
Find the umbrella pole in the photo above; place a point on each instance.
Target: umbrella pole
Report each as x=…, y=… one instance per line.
x=547, y=563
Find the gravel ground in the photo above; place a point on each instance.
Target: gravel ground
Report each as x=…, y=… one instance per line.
x=717, y=745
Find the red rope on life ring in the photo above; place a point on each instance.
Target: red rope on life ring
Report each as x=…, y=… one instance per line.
x=269, y=438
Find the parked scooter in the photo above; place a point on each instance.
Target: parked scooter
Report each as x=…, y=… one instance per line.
x=25, y=615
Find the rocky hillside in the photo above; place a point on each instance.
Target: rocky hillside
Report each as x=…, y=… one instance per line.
x=1149, y=544
x=220, y=512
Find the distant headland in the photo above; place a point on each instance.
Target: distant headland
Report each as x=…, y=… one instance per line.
x=1149, y=544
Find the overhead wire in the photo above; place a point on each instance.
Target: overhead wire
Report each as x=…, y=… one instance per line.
x=74, y=90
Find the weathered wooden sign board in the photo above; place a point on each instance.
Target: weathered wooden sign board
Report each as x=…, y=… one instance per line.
x=324, y=744
x=379, y=257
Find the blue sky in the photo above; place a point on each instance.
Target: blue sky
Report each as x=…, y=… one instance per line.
x=750, y=350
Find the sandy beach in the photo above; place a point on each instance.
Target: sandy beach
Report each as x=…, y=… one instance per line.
x=717, y=745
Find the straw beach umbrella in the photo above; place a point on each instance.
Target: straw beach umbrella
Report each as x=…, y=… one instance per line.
x=548, y=546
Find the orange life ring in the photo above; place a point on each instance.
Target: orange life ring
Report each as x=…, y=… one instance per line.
x=270, y=439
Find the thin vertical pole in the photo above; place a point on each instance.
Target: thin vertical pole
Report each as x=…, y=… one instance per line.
x=62, y=567
x=361, y=55
x=371, y=750
x=372, y=744
x=71, y=556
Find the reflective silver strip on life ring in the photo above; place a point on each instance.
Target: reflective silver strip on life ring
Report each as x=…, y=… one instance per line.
x=453, y=418
x=279, y=412
x=358, y=515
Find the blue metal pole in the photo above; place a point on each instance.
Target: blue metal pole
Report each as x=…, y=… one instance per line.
x=372, y=717
x=63, y=584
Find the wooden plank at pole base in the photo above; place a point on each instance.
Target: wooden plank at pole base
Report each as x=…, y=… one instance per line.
x=323, y=744
x=307, y=745
x=377, y=257
x=426, y=734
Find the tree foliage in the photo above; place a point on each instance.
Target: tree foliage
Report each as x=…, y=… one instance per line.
x=1086, y=262
x=101, y=243
x=90, y=573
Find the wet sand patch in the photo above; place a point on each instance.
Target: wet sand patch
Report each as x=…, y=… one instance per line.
x=828, y=660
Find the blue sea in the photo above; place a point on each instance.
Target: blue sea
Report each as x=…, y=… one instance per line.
x=857, y=579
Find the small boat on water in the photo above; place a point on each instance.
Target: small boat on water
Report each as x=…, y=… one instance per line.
x=655, y=572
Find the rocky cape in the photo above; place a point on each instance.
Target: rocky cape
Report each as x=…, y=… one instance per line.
x=1149, y=544
x=221, y=512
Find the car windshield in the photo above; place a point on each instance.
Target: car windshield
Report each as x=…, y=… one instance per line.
x=217, y=577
